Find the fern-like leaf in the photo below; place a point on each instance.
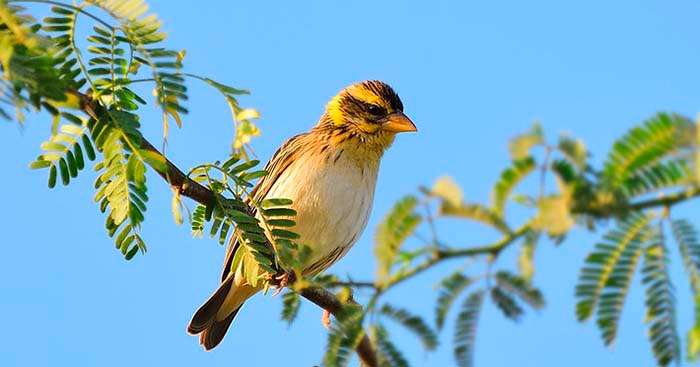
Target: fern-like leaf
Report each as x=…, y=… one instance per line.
x=400, y=223
x=612, y=298
x=688, y=241
x=643, y=146
x=121, y=187
x=291, y=303
x=413, y=323
x=660, y=302
x=574, y=150
x=64, y=150
x=687, y=237
x=657, y=176
x=600, y=264
x=345, y=335
x=506, y=303
x=465, y=329
x=450, y=288
x=197, y=220
x=389, y=354
x=508, y=181
x=521, y=288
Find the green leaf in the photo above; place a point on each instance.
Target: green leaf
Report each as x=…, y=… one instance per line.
x=275, y=202
x=344, y=337
x=291, y=302
x=508, y=181
x=521, y=288
x=52, y=146
x=686, y=236
x=413, y=323
x=62, y=10
x=605, y=267
x=465, y=329
x=279, y=212
x=231, y=161
x=88, y=148
x=281, y=223
x=39, y=163
x=72, y=164
x=389, y=354
x=644, y=146
x=450, y=288
x=121, y=189
x=197, y=220
x=78, y=154
x=253, y=175
x=660, y=302
x=574, y=150
x=506, y=303
x=391, y=233
x=52, y=176
x=282, y=233
x=657, y=176
x=225, y=88
x=154, y=159
x=244, y=167
x=65, y=175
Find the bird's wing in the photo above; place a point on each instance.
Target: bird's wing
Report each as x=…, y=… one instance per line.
x=281, y=160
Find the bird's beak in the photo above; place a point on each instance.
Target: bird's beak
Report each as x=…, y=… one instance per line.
x=397, y=122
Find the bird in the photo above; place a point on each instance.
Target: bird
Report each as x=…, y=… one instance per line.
x=330, y=174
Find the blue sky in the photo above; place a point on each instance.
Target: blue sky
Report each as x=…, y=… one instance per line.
x=471, y=75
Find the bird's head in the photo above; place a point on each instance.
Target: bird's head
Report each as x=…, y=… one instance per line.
x=368, y=110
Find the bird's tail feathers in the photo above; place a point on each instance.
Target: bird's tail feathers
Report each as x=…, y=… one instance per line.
x=214, y=317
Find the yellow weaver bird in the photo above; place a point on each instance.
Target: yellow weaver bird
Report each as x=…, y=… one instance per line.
x=330, y=174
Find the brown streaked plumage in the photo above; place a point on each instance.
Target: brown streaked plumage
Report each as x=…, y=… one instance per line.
x=330, y=174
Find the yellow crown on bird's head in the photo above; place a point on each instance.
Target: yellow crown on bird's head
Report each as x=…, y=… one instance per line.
x=371, y=106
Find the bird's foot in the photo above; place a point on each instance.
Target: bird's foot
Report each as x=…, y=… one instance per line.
x=282, y=281
x=326, y=319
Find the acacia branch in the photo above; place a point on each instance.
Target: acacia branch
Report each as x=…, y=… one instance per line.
x=444, y=254
x=509, y=238
x=203, y=195
x=612, y=210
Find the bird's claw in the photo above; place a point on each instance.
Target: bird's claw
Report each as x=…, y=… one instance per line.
x=326, y=319
x=281, y=281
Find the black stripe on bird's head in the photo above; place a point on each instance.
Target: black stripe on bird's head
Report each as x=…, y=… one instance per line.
x=369, y=107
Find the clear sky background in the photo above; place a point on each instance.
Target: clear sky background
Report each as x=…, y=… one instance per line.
x=471, y=75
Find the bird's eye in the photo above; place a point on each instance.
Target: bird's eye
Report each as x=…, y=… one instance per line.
x=375, y=110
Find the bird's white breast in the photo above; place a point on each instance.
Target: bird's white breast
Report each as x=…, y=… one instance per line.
x=333, y=196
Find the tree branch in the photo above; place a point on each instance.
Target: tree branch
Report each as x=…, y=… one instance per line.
x=329, y=302
x=444, y=254
x=203, y=195
x=615, y=209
